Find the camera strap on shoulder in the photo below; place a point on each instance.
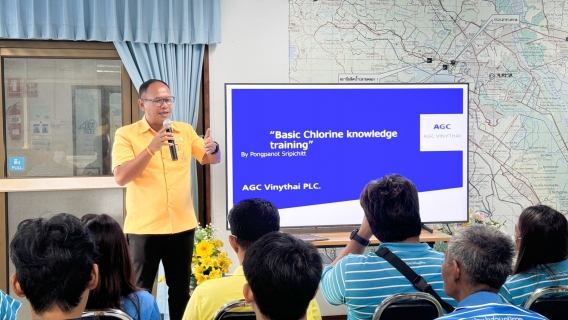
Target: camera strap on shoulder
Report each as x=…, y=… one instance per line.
x=417, y=281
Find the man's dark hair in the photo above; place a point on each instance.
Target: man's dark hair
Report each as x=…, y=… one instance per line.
x=250, y=219
x=53, y=258
x=391, y=207
x=144, y=87
x=283, y=273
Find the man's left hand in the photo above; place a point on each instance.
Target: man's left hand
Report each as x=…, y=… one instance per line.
x=210, y=145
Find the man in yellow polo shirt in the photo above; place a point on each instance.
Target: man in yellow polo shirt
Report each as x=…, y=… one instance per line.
x=249, y=219
x=160, y=219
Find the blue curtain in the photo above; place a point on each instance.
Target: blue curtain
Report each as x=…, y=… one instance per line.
x=162, y=39
x=179, y=65
x=143, y=21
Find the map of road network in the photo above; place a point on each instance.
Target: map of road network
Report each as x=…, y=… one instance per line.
x=513, y=53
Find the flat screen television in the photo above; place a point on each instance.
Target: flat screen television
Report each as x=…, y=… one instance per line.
x=311, y=148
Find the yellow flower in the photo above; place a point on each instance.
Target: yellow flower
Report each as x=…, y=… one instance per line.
x=200, y=278
x=225, y=268
x=214, y=274
x=208, y=260
x=204, y=249
x=196, y=269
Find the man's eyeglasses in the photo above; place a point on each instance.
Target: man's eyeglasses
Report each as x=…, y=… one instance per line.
x=158, y=102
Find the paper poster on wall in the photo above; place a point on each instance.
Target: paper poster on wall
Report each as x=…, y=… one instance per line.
x=40, y=134
x=14, y=87
x=31, y=89
x=39, y=112
x=41, y=142
x=40, y=127
x=86, y=119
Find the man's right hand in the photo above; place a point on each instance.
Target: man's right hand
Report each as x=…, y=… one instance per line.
x=131, y=169
x=160, y=139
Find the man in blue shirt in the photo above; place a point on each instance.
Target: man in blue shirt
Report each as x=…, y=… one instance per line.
x=361, y=282
x=8, y=306
x=478, y=260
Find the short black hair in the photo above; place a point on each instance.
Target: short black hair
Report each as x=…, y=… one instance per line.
x=283, y=273
x=144, y=87
x=250, y=219
x=391, y=207
x=53, y=258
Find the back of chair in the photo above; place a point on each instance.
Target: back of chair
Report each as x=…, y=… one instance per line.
x=553, y=307
x=107, y=314
x=225, y=313
x=416, y=306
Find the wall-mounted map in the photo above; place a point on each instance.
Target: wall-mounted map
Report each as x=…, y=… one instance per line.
x=514, y=55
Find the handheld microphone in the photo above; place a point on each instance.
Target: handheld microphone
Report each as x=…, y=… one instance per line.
x=173, y=151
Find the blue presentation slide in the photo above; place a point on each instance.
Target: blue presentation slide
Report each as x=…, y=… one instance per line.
x=311, y=149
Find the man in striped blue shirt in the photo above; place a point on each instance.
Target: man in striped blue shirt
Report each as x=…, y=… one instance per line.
x=361, y=282
x=477, y=262
x=8, y=307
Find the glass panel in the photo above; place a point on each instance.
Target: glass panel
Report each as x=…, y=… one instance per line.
x=61, y=115
x=25, y=205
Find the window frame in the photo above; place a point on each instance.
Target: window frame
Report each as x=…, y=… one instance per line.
x=130, y=114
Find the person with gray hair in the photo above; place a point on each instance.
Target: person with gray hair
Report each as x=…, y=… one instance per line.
x=477, y=262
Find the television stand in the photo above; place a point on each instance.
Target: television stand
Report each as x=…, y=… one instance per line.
x=427, y=228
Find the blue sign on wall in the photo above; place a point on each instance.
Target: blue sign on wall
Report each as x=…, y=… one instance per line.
x=17, y=164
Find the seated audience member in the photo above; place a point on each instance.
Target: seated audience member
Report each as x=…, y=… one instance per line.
x=55, y=266
x=283, y=274
x=478, y=260
x=116, y=288
x=361, y=282
x=8, y=306
x=249, y=219
x=541, y=237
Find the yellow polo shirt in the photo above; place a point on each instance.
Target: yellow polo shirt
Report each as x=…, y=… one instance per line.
x=159, y=200
x=212, y=294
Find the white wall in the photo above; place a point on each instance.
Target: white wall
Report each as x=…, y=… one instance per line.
x=253, y=49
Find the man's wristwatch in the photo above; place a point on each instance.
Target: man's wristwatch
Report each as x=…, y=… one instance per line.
x=216, y=148
x=356, y=237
